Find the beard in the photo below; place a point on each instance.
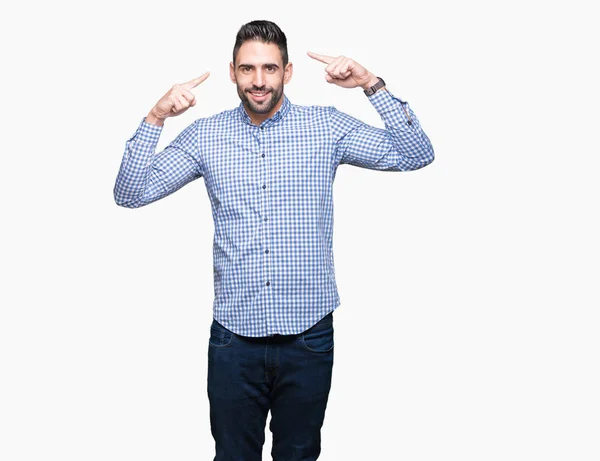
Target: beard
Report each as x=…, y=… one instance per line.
x=261, y=107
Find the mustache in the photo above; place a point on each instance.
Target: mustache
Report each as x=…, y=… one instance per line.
x=262, y=88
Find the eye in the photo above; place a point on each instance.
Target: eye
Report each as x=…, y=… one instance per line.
x=246, y=69
x=270, y=68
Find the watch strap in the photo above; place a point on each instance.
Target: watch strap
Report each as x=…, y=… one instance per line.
x=373, y=89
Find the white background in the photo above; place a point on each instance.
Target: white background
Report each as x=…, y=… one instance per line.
x=469, y=321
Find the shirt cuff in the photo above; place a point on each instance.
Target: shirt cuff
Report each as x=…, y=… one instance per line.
x=385, y=103
x=147, y=132
x=384, y=100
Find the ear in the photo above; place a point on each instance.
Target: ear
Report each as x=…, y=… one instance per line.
x=232, y=73
x=287, y=73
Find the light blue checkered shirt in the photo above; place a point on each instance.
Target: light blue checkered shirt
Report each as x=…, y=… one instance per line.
x=271, y=193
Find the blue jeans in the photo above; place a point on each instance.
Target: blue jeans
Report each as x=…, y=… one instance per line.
x=287, y=374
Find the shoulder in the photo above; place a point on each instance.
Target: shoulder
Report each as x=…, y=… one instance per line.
x=312, y=109
x=310, y=112
x=222, y=118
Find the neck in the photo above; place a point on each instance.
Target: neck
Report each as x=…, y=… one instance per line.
x=258, y=118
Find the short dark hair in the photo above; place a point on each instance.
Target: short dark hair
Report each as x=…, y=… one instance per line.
x=264, y=31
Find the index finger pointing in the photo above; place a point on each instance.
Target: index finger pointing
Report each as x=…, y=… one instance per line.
x=193, y=83
x=321, y=57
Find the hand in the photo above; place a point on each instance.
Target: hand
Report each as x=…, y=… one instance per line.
x=345, y=72
x=176, y=101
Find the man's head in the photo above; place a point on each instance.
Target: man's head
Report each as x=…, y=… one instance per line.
x=260, y=68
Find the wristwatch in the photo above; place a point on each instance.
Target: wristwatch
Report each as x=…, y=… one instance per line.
x=372, y=90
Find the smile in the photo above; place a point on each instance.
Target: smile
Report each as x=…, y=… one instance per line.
x=259, y=95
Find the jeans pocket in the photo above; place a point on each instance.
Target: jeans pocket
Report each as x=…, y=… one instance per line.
x=319, y=338
x=219, y=335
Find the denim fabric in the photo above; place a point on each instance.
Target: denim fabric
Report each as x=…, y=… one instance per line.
x=290, y=375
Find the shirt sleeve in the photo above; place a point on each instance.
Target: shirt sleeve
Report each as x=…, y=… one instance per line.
x=146, y=176
x=401, y=146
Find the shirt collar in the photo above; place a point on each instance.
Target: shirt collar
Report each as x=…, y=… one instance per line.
x=277, y=116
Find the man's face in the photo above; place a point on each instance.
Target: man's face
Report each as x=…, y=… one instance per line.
x=259, y=76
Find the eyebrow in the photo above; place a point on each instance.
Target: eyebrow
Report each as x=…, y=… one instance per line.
x=268, y=64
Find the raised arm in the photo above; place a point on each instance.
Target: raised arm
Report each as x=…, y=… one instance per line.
x=401, y=146
x=146, y=176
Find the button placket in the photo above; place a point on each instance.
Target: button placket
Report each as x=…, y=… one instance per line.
x=264, y=204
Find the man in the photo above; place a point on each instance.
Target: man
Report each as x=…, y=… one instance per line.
x=268, y=167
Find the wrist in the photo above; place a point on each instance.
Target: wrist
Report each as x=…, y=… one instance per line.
x=377, y=86
x=373, y=79
x=154, y=120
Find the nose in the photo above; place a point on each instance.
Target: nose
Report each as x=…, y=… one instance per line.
x=259, y=79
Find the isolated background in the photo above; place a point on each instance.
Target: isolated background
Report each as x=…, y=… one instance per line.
x=469, y=321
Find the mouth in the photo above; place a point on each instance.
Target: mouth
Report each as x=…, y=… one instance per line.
x=259, y=96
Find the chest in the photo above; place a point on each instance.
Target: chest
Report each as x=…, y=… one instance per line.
x=248, y=160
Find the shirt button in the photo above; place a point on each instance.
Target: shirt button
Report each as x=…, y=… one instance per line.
x=262, y=155
x=268, y=283
x=266, y=219
x=264, y=187
x=266, y=251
